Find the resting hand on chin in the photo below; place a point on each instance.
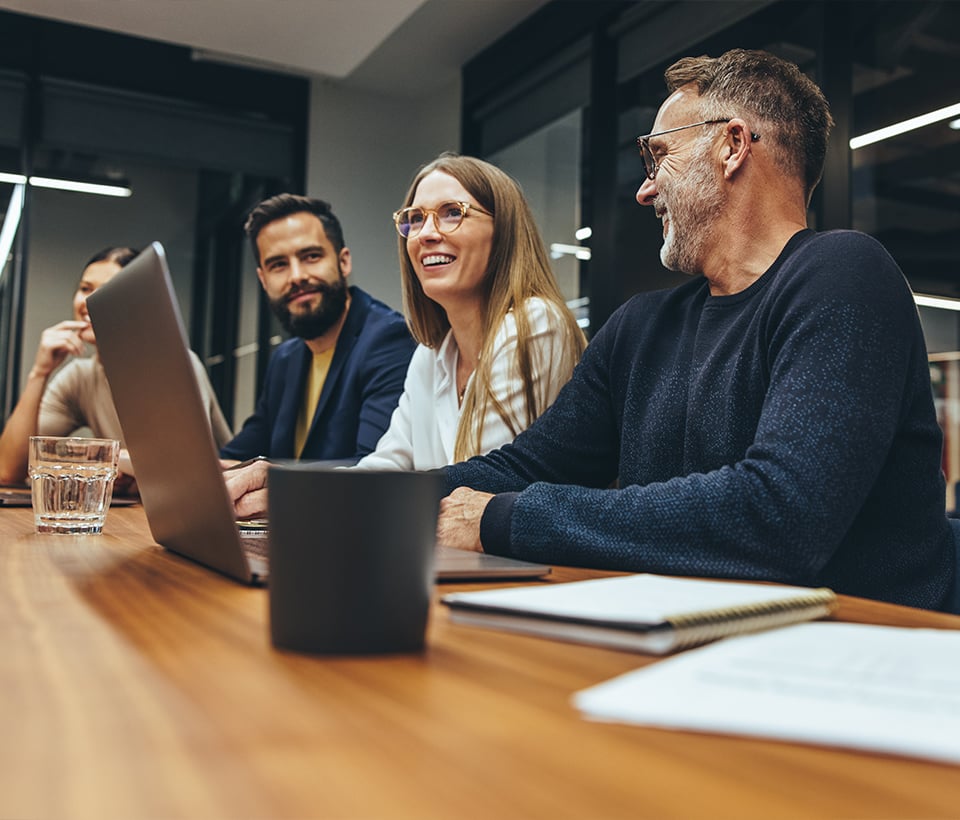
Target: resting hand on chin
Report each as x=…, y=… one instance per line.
x=56, y=343
x=459, y=522
x=247, y=488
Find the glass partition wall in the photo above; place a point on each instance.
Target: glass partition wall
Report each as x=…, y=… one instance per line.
x=548, y=162
x=893, y=168
x=165, y=149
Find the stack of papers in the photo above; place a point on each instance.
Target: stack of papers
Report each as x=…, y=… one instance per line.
x=873, y=688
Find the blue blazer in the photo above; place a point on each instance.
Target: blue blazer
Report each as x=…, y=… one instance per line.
x=359, y=395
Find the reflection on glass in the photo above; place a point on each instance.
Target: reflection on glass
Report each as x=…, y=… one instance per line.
x=547, y=166
x=906, y=186
x=10, y=224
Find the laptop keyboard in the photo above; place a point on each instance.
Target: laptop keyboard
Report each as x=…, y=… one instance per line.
x=256, y=544
x=255, y=538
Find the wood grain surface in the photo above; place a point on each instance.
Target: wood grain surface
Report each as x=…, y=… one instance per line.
x=138, y=684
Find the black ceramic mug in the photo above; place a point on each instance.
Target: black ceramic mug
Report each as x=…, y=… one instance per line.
x=351, y=558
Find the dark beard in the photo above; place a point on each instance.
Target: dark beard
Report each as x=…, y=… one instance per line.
x=318, y=321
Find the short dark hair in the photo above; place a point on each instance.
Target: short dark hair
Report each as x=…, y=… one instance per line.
x=788, y=105
x=281, y=205
x=119, y=254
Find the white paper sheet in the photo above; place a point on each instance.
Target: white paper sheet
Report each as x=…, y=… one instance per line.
x=884, y=689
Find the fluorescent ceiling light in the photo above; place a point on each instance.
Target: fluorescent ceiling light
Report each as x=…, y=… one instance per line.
x=907, y=125
x=954, y=124
x=943, y=302
x=80, y=187
x=68, y=185
x=583, y=233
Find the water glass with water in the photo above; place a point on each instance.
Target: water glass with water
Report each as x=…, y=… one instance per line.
x=72, y=482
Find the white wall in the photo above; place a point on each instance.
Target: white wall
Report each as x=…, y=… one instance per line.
x=363, y=150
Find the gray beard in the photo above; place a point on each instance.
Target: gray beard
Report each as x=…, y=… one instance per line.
x=694, y=205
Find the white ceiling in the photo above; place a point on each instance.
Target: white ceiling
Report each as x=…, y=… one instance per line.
x=394, y=46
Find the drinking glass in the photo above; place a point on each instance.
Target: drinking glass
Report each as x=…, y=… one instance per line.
x=71, y=480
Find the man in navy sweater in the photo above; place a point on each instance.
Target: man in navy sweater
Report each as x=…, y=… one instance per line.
x=771, y=419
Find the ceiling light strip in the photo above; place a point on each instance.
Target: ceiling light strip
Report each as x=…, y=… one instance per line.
x=80, y=187
x=907, y=125
x=942, y=302
x=68, y=185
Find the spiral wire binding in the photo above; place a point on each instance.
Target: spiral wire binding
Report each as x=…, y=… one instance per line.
x=703, y=627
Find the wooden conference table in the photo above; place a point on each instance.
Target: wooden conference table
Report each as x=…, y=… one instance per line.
x=137, y=684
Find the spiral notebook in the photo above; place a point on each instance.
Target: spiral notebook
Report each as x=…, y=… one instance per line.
x=644, y=613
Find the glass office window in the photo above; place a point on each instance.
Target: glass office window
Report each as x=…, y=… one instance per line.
x=11, y=209
x=790, y=30
x=547, y=164
x=880, y=63
x=905, y=130
x=906, y=179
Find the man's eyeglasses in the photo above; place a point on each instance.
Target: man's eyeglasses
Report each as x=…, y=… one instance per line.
x=447, y=216
x=650, y=161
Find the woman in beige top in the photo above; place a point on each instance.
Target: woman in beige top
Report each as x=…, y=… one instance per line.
x=77, y=395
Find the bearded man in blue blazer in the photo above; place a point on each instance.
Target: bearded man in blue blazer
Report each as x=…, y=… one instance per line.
x=330, y=390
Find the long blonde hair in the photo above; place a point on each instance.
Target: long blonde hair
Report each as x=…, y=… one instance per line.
x=518, y=269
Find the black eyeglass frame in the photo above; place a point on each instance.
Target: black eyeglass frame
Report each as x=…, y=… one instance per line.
x=464, y=208
x=650, y=165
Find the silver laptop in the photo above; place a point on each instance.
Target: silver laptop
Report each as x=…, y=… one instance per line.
x=143, y=346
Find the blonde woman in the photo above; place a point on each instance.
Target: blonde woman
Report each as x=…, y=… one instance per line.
x=496, y=340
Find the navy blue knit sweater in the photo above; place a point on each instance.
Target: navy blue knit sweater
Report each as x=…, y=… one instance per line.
x=784, y=433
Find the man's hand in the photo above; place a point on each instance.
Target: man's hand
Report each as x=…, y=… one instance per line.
x=459, y=522
x=247, y=488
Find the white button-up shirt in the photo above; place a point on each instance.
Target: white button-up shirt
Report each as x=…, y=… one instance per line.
x=423, y=428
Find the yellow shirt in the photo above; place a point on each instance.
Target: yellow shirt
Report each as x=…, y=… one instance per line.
x=311, y=396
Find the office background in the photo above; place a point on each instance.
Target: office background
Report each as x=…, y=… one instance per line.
x=553, y=92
